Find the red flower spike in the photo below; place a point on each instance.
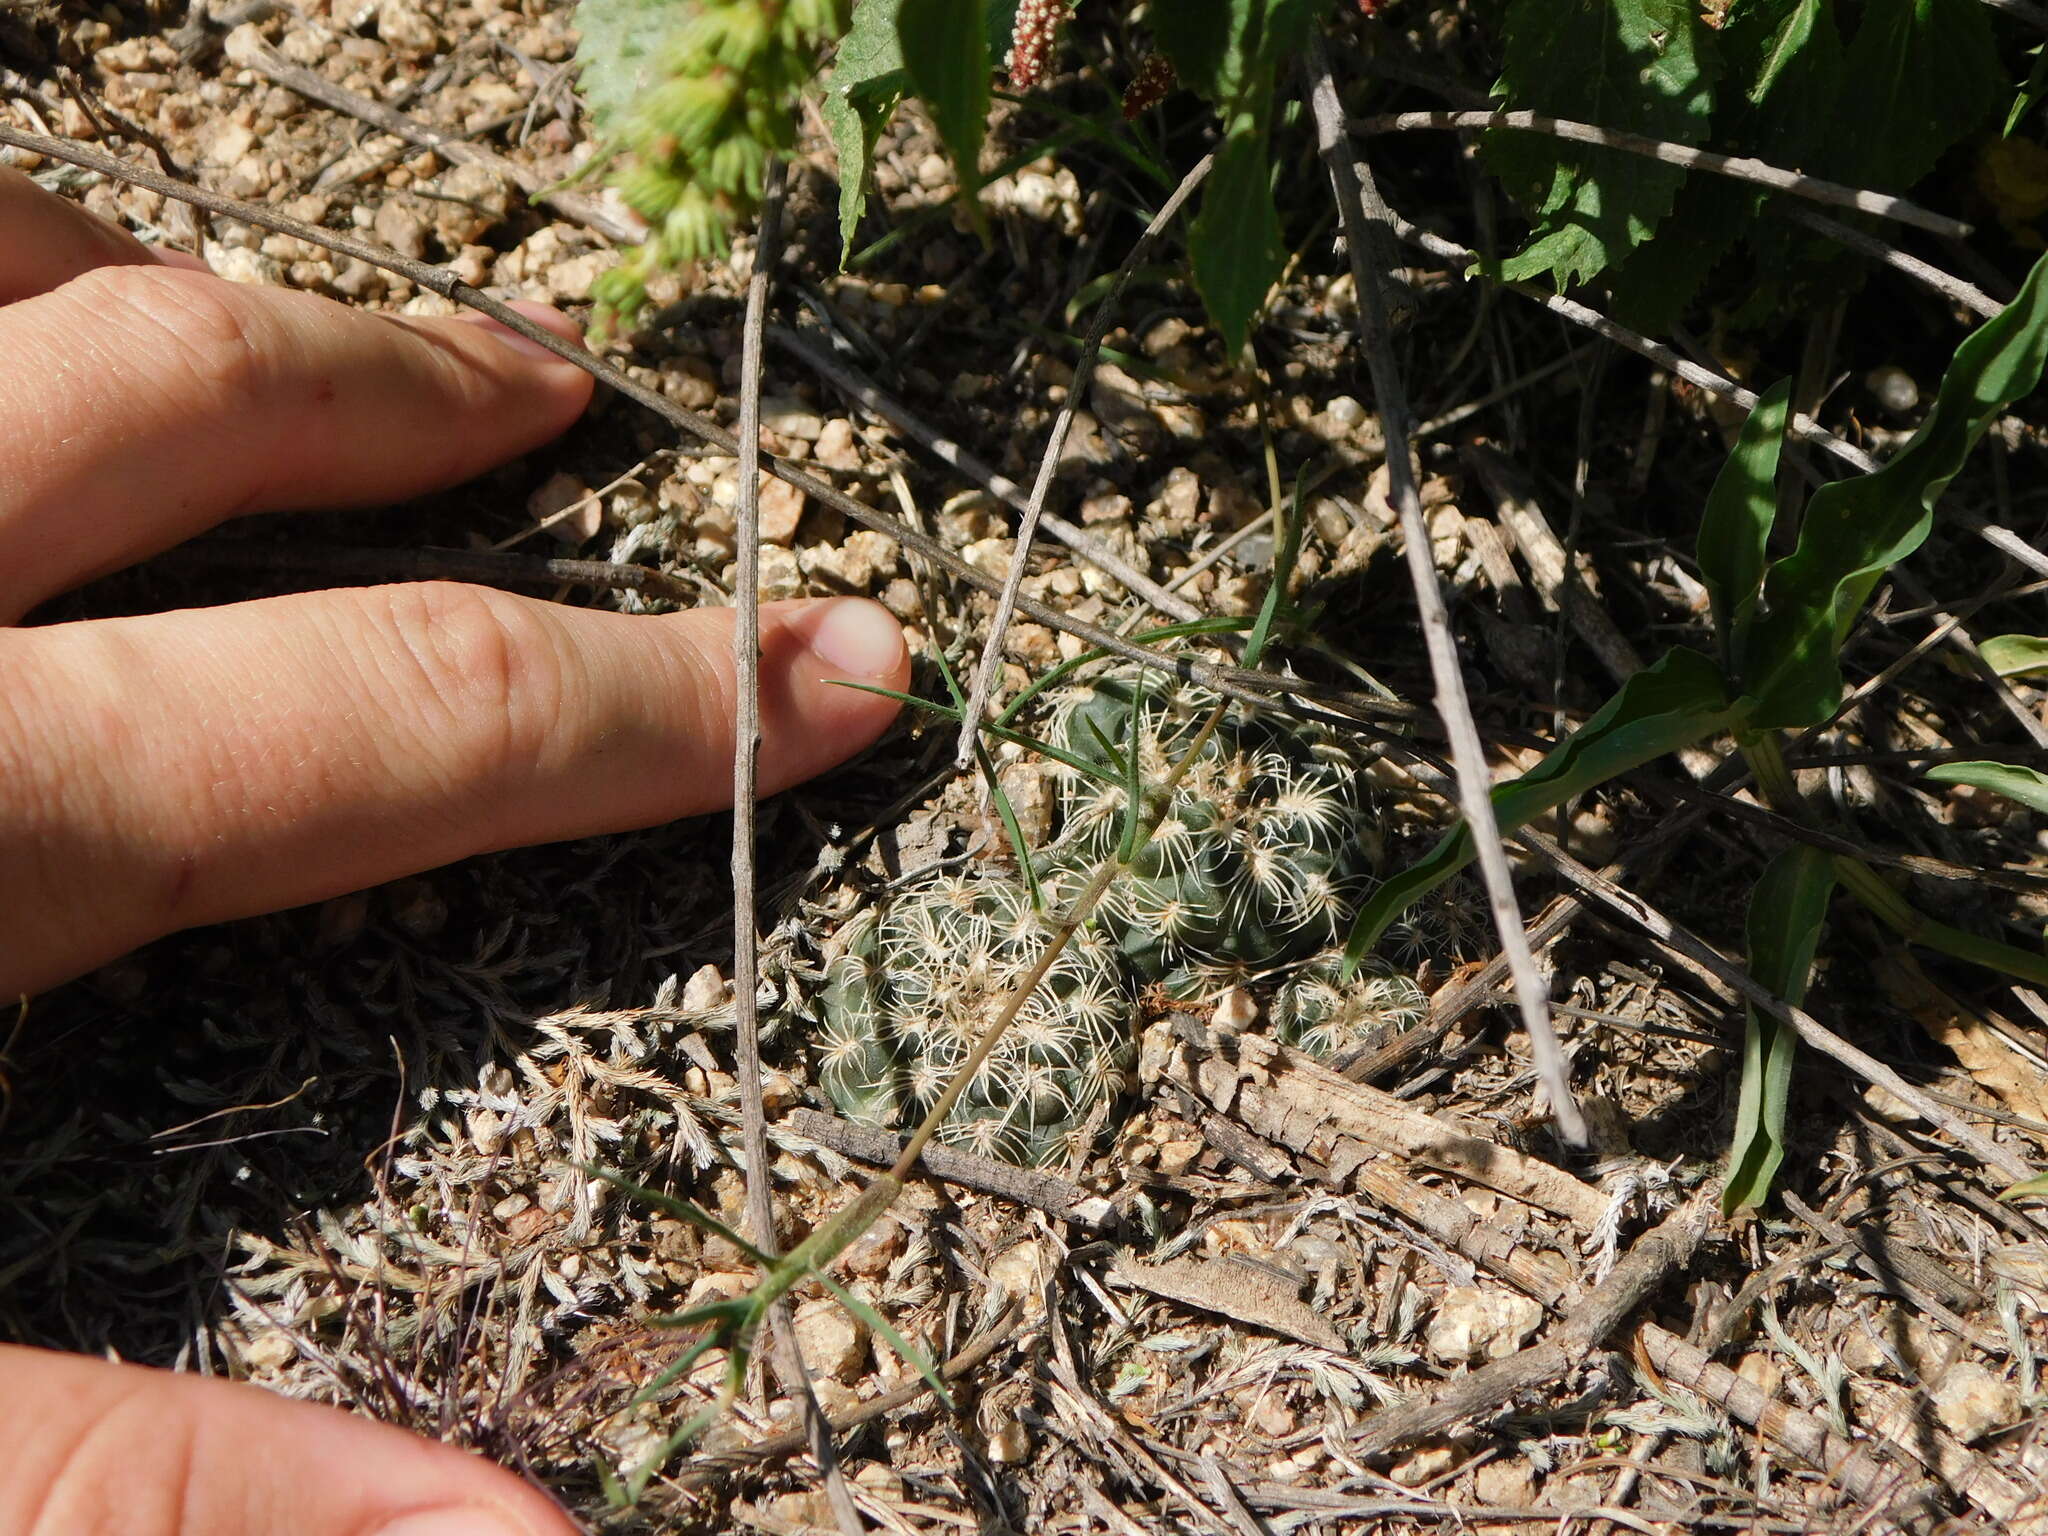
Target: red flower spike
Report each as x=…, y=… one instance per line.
x=1031, y=44
x=1149, y=86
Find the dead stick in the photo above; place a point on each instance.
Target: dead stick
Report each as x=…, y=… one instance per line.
x=1666, y=1249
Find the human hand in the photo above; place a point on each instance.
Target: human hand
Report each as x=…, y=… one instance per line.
x=184, y=768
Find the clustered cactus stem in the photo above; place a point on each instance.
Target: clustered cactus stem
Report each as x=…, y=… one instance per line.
x=691, y=103
x=1260, y=851
x=911, y=1024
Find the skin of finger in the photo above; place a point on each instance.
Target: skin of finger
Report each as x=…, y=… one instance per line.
x=47, y=240
x=176, y=769
x=87, y=1446
x=141, y=405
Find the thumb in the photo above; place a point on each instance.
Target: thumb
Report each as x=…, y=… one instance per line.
x=87, y=1446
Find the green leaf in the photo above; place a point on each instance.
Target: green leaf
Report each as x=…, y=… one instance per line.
x=1855, y=529
x=1227, y=50
x=1786, y=912
x=682, y=1210
x=1234, y=242
x=1737, y=523
x=2029, y=786
x=1925, y=73
x=2026, y=1188
x=1790, y=55
x=1671, y=704
x=2030, y=94
x=1640, y=65
x=868, y=81
x=2016, y=655
x=946, y=51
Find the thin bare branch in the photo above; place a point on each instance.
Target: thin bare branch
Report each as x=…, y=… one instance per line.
x=746, y=655
x=1949, y=286
x=1813, y=188
x=1723, y=975
x=1049, y=463
x=1352, y=178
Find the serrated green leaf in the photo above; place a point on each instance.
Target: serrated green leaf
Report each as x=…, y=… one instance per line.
x=1234, y=243
x=945, y=48
x=1786, y=912
x=2029, y=786
x=1653, y=285
x=1789, y=56
x=1641, y=65
x=1924, y=73
x=1737, y=523
x=1854, y=530
x=868, y=81
x=1226, y=50
x=1671, y=704
x=2016, y=655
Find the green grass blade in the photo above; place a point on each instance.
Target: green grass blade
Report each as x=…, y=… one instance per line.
x=1737, y=523
x=1786, y=912
x=1285, y=553
x=1666, y=706
x=1134, y=788
x=2029, y=786
x=1018, y=846
x=1854, y=530
x=885, y=1330
x=947, y=712
x=682, y=1210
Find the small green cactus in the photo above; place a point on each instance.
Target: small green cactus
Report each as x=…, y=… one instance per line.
x=916, y=982
x=1259, y=859
x=1321, y=1014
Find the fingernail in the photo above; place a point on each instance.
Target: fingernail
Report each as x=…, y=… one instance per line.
x=460, y=1520
x=857, y=638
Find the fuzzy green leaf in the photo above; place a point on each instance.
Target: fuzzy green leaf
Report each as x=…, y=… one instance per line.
x=946, y=51
x=1855, y=529
x=2029, y=786
x=1671, y=704
x=1786, y=911
x=2016, y=655
x=1641, y=65
x=1737, y=523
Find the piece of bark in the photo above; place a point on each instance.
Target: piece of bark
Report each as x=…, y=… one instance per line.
x=1246, y=1293
x=1296, y=1102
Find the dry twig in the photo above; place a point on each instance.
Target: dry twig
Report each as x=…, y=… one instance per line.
x=1351, y=177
